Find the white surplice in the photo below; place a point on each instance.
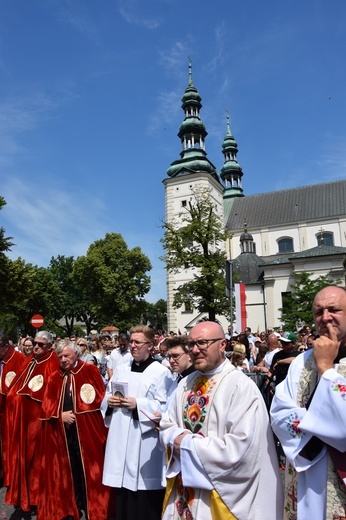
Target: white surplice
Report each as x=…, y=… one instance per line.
x=230, y=454
x=295, y=425
x=133, y=457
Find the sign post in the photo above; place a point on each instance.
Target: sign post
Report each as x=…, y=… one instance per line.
x=37, y=321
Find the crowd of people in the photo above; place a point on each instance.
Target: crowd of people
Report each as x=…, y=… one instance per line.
x=147, y=426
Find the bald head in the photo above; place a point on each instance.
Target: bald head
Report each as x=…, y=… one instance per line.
x=207, y=345
x=329, y=306
x=209, y=327
x=272, y=342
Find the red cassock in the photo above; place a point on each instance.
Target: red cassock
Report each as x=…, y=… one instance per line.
x=11, y=366
x=23, y=409
x=57, y=498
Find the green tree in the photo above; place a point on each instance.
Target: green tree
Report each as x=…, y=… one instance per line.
x=297, y=304
x=113, y=278
x=196, y=242
x=156, y=314
x=17, y=280
x=72, y=306
x=5, y=242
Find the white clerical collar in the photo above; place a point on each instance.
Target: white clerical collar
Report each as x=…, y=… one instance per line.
x=217, y=369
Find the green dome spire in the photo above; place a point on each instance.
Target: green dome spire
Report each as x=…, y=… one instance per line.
x=231, y=171
x=192, y=134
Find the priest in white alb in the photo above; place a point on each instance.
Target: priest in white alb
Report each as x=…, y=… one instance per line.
x=221, y=459
x=309, y=417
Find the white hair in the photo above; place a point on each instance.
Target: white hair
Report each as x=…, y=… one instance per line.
x=67, y=343
x=44, y=335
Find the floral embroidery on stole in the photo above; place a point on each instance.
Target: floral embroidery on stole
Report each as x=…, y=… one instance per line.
x=336, y=492
x=195, y=412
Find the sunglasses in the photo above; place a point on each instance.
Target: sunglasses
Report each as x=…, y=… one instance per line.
x=39, y=344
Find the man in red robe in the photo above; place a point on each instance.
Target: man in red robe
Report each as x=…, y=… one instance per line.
x=72, y=441
x=11, y=362
x=23, y=409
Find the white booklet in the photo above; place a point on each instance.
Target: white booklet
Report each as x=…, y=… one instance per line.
x=120, y=389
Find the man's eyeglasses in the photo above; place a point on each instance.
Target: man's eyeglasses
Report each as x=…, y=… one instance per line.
x=138, y=344
x=202, y=344
x=39, y=344
x=175, y=357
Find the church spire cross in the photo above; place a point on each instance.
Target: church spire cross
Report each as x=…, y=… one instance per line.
x=228, y=127
x=190, y=83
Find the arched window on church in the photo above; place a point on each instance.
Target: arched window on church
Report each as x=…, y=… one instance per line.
x=325, y=238
x=285, y=245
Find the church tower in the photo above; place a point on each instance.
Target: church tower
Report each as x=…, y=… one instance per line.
x=193, y=171
x=231, y=171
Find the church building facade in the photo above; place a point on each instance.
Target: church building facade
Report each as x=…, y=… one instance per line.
x=273, y=234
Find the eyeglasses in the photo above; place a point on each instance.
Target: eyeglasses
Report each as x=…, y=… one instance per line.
x=138, y=344
x=202, y=344
x=82, y=345
x=175, y=357
x=39, y=344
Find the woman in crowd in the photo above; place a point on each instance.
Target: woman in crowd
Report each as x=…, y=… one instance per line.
x=86, y=356
x=28, y=345
x=98, y=352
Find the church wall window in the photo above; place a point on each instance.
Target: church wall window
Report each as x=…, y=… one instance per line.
x=187, y=307
x=285, y=299
x=285, y=245
x=325, y=238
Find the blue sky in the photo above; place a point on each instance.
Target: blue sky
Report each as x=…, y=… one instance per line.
x=90, y=109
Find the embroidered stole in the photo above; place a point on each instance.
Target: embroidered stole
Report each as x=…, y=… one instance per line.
x=336, y=488
x=196, y=403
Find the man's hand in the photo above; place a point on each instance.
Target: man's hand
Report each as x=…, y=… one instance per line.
x=326, y=349
x=68, y=417
x=128, y=402
x=177, y=442
x=114, y=401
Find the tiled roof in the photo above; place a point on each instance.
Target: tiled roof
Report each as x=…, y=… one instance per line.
x=314, y=252
x=249, y=266
x=306, y=203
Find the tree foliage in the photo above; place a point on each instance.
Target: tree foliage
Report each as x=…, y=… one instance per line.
x=113, y=279
x=105, y=286
x=70, y=306
x=297, y=304
x=155, y=315
x=17, y=279
x=196, y=242
x=5, y=242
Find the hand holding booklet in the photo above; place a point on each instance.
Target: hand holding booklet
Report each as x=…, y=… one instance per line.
x=120, y=389
x=151, y=416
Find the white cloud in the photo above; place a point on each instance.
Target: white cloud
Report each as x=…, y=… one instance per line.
x=46, y=220
x=130, y=11
x=219, y=53
x=79, y=22
x=333, y=158
x=173, y=58
x=23, y=114
x=167, y=107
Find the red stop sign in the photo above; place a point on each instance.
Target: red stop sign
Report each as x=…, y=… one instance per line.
x=37, y=321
